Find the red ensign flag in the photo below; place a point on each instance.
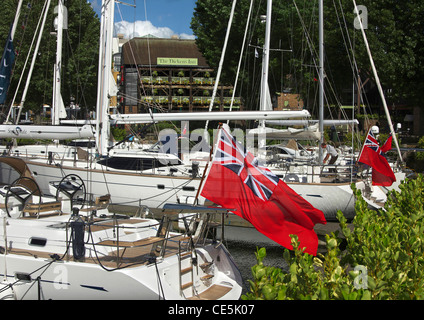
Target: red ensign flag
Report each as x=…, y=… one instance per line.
x=237, y=181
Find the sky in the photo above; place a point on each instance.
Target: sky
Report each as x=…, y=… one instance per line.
x=161, y=18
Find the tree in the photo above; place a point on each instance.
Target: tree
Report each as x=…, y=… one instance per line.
x=209, y=24
x=80, y=53
x=288, y=69
x=394, y=34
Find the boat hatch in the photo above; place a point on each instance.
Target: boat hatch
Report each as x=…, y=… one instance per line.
x=36, y=241
x=21, y=276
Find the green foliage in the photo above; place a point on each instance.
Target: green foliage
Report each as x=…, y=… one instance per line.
x=383, y=258
x=415, y=160
x=390, y=243
x=421, y=142
x=80, y=53
x=118, y=133
x=420, y=154
x=394, y=34
x=308, y=277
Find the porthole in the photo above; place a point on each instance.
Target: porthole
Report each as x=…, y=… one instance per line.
x=35, y=241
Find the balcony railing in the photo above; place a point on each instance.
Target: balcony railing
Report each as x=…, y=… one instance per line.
x=178, y=80
x=185, y=100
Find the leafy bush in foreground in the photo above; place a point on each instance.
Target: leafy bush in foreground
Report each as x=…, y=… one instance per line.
x=383, y=256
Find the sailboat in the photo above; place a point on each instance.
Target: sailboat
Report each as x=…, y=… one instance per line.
x=309, y=180
x=153, y=179
x=328, y=197
x=147, y=178
x=55, y=248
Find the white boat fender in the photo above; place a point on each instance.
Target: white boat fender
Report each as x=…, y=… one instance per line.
x=77, y=238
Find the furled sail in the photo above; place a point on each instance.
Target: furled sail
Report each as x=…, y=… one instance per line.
x=6, y=66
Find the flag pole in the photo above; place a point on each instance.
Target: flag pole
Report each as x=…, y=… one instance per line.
x=363, y=145
x=377, y=79
x=206, y=167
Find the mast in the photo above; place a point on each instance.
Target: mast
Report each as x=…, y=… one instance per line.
x=321, y=75
x=15, y=22
x=264, y=93
x=221, y=61
x=265, y=62
x=104, y=78
x=377, y=80
x=37, y=46
x=58, y=109
x=12, y=36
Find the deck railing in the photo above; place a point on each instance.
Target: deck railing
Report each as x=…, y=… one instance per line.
x=145, y=250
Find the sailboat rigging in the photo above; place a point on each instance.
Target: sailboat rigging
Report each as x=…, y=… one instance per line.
x=132, y=177
x=17, y=130
x=309, y=183
x=377, y=79
x=101, y=255
x=157, y=178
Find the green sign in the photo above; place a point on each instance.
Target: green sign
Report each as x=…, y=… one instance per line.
x=177, y=61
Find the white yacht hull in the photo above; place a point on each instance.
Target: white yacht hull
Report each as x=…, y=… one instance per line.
x=63, y=280
x=153, y=191
x=123, y=258
x=125, y=188
x=329, y=197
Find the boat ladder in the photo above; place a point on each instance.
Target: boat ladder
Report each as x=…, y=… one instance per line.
x=184, y=255
x=187, y=250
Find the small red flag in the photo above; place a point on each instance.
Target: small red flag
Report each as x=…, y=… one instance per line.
x=371, y=155
x=387, y=145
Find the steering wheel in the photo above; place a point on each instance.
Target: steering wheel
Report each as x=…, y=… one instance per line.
x=74, y=188
x=22, y=189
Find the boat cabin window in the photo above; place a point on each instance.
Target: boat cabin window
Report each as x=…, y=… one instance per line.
x=23, y=276
x=35, y=241
x=135, y=164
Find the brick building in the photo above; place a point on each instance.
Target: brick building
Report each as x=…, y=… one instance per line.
x=170, y=74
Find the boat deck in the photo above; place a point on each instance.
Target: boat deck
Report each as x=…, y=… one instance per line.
x=135, y=253
x=128, y=248
x=213, y=293
x=124, y=254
